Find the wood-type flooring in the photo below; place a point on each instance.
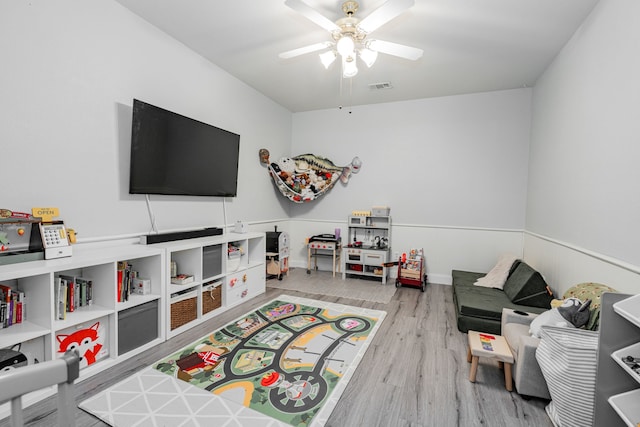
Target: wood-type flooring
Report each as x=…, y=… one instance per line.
x=415, y=373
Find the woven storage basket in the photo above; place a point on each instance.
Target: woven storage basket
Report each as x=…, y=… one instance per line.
x=184, y=310
x=211, y=299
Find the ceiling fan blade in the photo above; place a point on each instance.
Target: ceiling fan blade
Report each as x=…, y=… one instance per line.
x=395, y=49
x=304, y=50
x=312, y=15
x=384, y=14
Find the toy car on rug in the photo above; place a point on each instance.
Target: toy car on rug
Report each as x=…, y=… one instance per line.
x=306, y=177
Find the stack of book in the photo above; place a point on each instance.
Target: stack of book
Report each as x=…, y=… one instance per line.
x=71, y=293
x=124, y=284
x=12, y=306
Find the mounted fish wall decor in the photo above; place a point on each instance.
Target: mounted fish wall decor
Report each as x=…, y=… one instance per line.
x=306, y=177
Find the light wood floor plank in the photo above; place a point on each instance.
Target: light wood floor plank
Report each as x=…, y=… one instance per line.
x=415, y=372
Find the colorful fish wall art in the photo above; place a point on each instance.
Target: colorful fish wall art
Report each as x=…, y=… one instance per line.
x=306, y=177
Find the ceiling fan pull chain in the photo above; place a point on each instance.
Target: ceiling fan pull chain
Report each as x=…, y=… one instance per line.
x=350, y=94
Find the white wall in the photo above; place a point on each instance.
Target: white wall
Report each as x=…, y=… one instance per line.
x=565, y=265
x=458, y=160
x=70, y=70
x=455, y=170
x=452, y=169
x=584, y=181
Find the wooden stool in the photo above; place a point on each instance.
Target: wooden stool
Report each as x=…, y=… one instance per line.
x=492, y=346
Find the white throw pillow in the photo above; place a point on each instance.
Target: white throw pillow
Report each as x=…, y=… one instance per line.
x=498, y=274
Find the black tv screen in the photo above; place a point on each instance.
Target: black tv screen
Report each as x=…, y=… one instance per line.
x=175, y=155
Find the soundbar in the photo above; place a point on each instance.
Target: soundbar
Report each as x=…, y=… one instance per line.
x=179, y=235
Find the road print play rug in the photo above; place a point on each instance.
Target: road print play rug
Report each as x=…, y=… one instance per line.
x=285, y=363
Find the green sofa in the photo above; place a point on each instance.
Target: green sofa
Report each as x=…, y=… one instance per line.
x=480, y=309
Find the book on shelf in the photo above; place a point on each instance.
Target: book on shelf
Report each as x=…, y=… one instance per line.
x=5, y=292
x=125, y=277
x=5, y=297
x=22, y=298
x=182, y=279
x=76, y=294
x=72, y=293
x=69, y=283
x=60, y=300
x=3, y=313
x=18, y=312
x=85, y=287
x=12, y=306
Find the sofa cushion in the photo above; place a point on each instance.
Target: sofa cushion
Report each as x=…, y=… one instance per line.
x=480, y=302
x=527, y=287
x=478, y=308
x=464, y=278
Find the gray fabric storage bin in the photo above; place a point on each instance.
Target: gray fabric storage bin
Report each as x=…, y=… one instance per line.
x=137, y=326
x=211, y=261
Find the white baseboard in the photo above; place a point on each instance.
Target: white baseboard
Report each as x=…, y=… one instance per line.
x=440, y=279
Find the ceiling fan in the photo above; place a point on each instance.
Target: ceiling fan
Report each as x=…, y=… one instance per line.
x=349, y=35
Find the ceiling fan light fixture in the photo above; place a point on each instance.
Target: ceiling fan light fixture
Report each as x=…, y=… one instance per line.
x=345, y=46
x=350, y=35
x=368, y=56
x=349, y=67
x=327, y=58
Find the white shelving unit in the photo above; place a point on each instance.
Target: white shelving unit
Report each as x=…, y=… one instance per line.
x=36, y=336
x=205, y=258
x=361, y=253
x=617, y=385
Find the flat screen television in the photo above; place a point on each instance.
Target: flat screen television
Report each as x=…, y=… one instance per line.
x=175, y=155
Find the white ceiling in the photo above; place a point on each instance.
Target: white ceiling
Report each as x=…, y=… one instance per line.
x=469, y=46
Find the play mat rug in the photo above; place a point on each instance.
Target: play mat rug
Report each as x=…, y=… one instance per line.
x=285, y=363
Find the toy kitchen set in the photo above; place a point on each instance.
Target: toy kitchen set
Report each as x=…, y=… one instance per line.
x=368, y=244
x=31, y=237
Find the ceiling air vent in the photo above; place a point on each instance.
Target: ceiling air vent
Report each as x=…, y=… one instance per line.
x=380, y=86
